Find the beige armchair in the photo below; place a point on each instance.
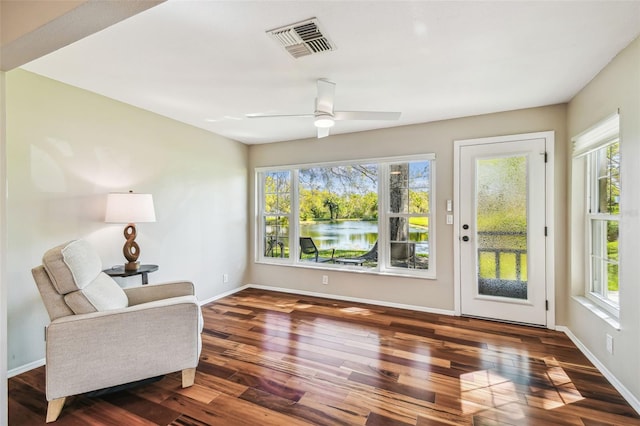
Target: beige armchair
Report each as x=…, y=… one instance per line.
x=101, y=335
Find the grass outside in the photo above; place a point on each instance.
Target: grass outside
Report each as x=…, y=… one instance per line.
x=612, y=268
x=420, y=222
x=487, y=266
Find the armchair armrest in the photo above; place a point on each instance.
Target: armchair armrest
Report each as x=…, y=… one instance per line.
x=103, y=349
x=150, y=293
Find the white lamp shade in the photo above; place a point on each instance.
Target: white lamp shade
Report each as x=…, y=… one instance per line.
x=130, y=208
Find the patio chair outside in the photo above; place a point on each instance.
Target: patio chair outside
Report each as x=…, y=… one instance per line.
x=307, y=246
x=370, y=256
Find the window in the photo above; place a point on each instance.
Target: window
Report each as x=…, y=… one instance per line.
x=338, y=208
x=372, y=215
x=408, y=214
x=599, y=148
x=276, y=213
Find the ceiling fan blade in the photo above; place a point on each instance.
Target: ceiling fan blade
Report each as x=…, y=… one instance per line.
x=277, y=115
x=323, y=132
x=326, y=93
x=366, y=115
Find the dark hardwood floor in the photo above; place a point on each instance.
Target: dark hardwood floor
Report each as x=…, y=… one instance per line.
x=279, y=359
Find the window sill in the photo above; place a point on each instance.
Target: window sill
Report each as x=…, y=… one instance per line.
x=351, y=269
x=598, y=311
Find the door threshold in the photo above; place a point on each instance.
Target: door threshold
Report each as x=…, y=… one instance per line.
x=505, y=321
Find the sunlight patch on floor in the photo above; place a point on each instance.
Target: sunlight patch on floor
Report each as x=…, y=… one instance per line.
x=486, y=389
x=356, y=310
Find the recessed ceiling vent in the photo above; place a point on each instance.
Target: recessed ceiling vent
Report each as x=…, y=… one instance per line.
x=303, y=38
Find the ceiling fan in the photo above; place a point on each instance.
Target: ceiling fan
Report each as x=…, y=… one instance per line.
x=325, y=117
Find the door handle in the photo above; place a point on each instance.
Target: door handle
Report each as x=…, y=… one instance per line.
x=465, y=238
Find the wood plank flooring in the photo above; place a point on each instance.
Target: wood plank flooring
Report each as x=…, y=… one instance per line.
x=279, y=359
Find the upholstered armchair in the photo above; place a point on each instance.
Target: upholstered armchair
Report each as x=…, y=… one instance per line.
x=102, y=335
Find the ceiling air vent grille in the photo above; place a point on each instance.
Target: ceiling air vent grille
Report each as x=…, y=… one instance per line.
x=303, y=38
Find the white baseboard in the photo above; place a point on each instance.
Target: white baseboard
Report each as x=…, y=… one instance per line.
x=354, y=299
x=626, y=394
x=221, y=295
x=25, y=368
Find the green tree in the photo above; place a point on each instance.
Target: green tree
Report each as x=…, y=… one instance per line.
x=311, y=207
x=337, y=192
x=370, y=206
x=333, y=202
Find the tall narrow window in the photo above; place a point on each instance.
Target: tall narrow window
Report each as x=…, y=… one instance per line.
x=276, y=210
x=409, y=214
x=603, y=217
x=599, y=148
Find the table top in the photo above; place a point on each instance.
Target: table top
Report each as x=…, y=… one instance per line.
x=119, y=271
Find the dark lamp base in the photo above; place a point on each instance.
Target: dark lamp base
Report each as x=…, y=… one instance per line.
x=131, y=266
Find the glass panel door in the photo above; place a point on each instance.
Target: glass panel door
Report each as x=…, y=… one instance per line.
x=502, y=230
x=501, y=226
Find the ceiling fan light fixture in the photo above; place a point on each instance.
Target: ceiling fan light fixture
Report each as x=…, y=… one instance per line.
x=324, y=121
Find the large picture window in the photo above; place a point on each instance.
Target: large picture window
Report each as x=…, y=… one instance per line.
x=599, y=149
x=371, y=215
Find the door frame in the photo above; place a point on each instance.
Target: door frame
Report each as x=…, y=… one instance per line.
x=549, y=137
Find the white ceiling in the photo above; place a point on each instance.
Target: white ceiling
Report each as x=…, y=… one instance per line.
x=208, y=63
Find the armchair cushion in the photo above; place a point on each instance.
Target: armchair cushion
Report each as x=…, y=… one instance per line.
x=103, y=294
x=75, y=271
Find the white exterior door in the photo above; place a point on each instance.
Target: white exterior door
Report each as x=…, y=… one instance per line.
x=502, y=229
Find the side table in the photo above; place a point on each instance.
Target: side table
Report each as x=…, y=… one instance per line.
x=119, y=271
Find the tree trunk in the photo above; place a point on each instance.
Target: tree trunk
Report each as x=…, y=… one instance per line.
x=399, y=201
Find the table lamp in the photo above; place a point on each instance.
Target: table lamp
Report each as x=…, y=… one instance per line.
x=130, y=208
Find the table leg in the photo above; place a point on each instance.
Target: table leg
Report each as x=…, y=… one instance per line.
x=145, y=278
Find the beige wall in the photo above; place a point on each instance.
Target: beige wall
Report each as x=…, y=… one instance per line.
x=3, y=287
x=67, y=148
x=435, y=138
x=617, y=86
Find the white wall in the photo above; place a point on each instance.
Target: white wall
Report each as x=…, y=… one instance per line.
x=67, y=148
x=435, y=138
x=617, y=86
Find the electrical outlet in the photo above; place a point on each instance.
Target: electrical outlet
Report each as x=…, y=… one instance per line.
x=225, y=278
x=610, y=344
x=325, y=279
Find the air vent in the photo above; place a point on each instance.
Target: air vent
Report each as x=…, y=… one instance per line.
x=302, y=39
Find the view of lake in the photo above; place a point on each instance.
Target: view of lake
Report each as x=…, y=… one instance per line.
x=346, y=234
x=351, y=234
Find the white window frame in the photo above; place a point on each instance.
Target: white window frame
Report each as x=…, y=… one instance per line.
x=585, y=148
x=260, y=183
x=383, y=267
x=384, y=214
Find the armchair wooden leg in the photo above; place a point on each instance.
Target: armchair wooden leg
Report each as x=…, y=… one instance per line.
x=54, y=409
x=188, y=377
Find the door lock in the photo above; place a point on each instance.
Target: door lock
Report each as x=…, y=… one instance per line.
x=465, y=238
